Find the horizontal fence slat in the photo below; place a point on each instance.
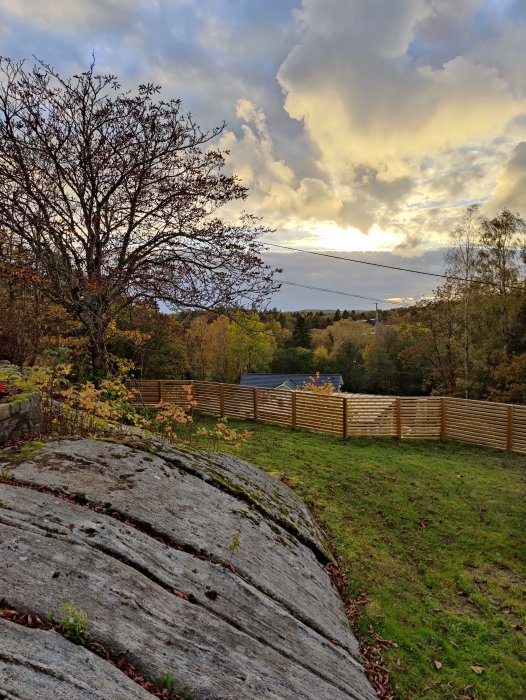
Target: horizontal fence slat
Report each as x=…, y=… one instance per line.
x=478, y=423
x=421, y=417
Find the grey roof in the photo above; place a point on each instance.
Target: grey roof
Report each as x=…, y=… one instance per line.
x=288, y=381
x=287, y=384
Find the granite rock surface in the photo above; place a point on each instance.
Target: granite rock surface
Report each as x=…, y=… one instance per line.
x=197, y=565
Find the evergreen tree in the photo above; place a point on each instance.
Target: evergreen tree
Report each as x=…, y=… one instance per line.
x=293, y=360
x=301, y=332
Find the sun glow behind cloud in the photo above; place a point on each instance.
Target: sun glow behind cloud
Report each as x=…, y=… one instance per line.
x=329, y=236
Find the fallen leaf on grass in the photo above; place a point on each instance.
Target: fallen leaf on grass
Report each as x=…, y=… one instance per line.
x=438, y=665
x=478, y=669
x=381, y=640
x=470, y=600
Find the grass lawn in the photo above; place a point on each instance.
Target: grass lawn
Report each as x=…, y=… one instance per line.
x=434, y=535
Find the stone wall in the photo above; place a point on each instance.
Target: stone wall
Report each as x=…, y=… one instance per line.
x=19, y=417
x=19, y=414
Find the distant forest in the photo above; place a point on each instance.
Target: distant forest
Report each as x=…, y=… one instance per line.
x=469, y=340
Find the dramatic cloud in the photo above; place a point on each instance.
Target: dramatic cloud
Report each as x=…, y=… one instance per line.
x=511, y=186
x=408, y=129
x=96, y=15
x=279, y=194
x=356, y=125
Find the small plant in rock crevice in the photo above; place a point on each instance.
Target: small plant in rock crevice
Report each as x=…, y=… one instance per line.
x=74, y=623
x=6, y=474
x=183, y=694
x=234, y=545
x=167, y=681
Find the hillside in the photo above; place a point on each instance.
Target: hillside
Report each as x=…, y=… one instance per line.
x=431, y=538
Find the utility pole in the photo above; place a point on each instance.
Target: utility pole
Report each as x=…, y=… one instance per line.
x=376, y=322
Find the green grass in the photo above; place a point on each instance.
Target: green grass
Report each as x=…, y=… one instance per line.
x=434, y=535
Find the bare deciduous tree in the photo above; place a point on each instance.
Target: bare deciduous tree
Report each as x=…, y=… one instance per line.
x=462, y=265
x=116, y=196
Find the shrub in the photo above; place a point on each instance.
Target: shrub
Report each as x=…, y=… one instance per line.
x=316, y=387
x=221, y=432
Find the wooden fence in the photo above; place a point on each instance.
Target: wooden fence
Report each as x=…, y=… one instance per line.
x=497, y=425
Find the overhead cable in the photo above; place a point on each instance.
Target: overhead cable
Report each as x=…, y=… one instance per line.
x=347, y=294
x=389, y=267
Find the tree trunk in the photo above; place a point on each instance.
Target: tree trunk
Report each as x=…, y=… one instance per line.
x=96, y=328
x=466, y=347
x=99, y=357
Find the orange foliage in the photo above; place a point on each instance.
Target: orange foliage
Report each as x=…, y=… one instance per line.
x=221, y=432
x=316, y=387
x=510, y=380
x=169, y=416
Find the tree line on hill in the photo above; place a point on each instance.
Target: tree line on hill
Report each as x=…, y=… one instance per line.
x=468, y=341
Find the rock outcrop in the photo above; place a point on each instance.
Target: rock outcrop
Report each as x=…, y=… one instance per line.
x=199, y=566
x=37, y=665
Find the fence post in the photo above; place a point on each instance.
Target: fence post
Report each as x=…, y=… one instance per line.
x=344, y=426
x=221, y=401
x=398, y=418
x=255, y=394
x=509, y=436
x=159, y=390
x=443, y=418
x=293, y=409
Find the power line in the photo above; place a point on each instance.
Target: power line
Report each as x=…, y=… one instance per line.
x=388, y=267
x=361, y=262
x=335, y=291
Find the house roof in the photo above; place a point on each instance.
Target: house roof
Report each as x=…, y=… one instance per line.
x=287, y=384
x=288, y=381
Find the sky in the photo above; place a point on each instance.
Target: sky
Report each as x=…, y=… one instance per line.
x=360, y=127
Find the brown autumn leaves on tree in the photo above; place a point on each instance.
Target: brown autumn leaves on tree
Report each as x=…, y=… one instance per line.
x=19, y=300
x=115, y=197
